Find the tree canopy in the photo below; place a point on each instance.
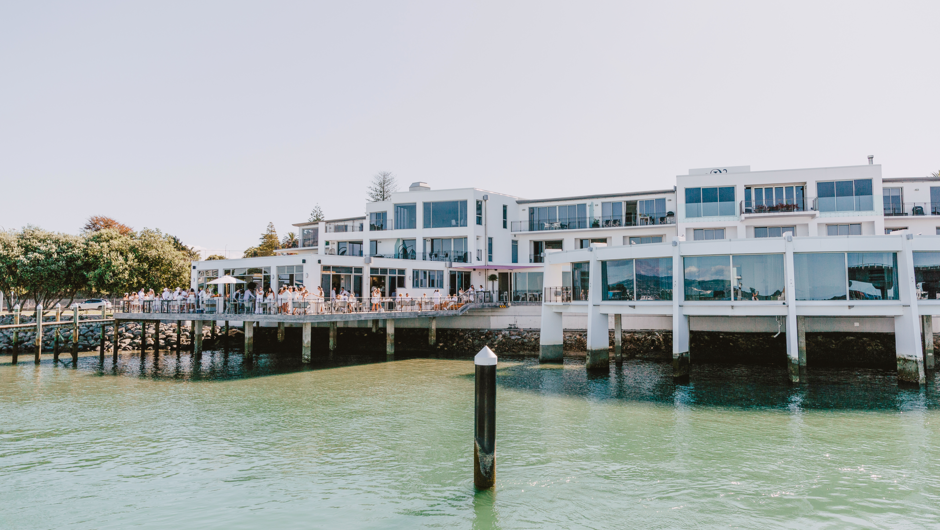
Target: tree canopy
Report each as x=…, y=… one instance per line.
x=382, y=187
x=100, y=222
x=316, y=214
x=267, y=245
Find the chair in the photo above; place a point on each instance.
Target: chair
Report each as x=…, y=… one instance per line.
x=918, y=210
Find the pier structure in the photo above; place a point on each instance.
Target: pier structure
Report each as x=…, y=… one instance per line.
x=799, y=283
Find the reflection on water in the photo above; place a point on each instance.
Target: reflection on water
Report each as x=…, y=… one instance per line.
x=171, y=439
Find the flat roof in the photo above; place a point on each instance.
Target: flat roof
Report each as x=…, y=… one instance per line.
x=912, y=179
x=601, y=196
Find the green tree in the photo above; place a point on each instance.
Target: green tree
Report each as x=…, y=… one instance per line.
x=9, y=256
x=159, y=263
x=316, y=214
x=290, y=241
x=382, y=187
x=215, y=257
x=269, y=243
x=48, y=267
x=112, y=262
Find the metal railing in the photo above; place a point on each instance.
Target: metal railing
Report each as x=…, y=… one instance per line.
x=331, y=251
x=527, y=296
x=564, y=295
x=581, y=223
x=338, y=228
x=912, y=208
x=306, y=306
x=750, y=207
x=456, y=257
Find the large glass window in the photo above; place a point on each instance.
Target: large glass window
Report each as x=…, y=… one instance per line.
x=580, y=280
x=651, y=212
x=892, y=201
x=709, y=202
x=845, y=196
x=290, y=275
x=844, y=230
x=310, y=237
x=820, y=276
x=873, y=275
x=617, y=279
x=406, y=216
x=707, y=234
x=505, y=216
x=515, y=251
x=445, y=214
x=758, y=277
x=448, y=249
x=563, y=217
x=643, y=240
x=773, y=231
x=427, y=279
x=935, y=200
x=927, y=275
x=333, y=279
x=526, y=286
x=611, y=214
x=406, y=249
x=707, y=277
x=773, y=199
x=480, y=213
x=653, y=278
x=349, y=248
x=377, y=221
x=489, y=249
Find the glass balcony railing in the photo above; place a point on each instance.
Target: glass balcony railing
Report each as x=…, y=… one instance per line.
x=456, y=257
x=339, y=228
x=804, y=205
x=581, y=223
x=912, y=208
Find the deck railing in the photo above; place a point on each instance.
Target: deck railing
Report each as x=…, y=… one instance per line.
x=309, y=306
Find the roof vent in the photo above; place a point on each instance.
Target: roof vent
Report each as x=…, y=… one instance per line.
x=419, y=186
x=871, y=160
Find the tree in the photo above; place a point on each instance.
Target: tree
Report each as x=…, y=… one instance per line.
x=382, y=187
x=158, y=263
x=192, y=253
x=215, y=257
x=100, y=222
x=42, y=266
x=269, y=243
x=935, y=174
x=290, y=241
x=316, y=214
x=112, y=262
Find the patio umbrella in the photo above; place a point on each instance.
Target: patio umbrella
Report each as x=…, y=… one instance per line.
x=226, y=279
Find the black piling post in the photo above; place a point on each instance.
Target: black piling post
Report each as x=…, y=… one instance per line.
x=484, y=432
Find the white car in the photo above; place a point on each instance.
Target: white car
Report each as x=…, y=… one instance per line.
x=93, y=303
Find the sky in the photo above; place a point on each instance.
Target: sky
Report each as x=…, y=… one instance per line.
x=208, y=120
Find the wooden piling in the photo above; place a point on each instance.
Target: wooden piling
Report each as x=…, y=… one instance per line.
x=801, y=343
x=432, y=331
x=143, y=336
x=104, y=316
x=38, y=333
x=389, y=339
x=57, y=335
x=115, y=345
x=927, y=324
x=280, y=332
x=179, y=335
x=484, y=416
x=75, y=337
x=305, y=353
x=333, y=332
x=249, y=341
x=197, y=337
x=16, y=333
x=156, y=336
x=618, y=339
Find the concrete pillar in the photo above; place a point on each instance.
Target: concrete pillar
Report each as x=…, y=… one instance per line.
x=197, y=337
x=796, y=328
x=333, y=331
x=390, y=339
x=115, y=345
x=551, y=337
x=907, y=332
x=143, y=336
x=58, y=334
x=249, y=341
x=75, y=319
x=680, y=321
x=280, y=332
x=156, y=336
x=927, y=327
x=801, y=346
x=104, y=316
x=39, y=314
x=305, y=353
x=618, y=339
x=16, y=332
x=375, y=326
x=598, y=339
x=432, y=331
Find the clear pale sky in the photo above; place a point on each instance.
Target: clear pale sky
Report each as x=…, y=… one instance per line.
x=210, y=119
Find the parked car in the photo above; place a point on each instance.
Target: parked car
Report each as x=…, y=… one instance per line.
x=93, y=303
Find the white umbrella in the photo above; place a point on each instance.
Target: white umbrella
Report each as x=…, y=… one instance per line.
x=226, y=279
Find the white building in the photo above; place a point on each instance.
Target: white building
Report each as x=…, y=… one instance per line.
x=425, y=239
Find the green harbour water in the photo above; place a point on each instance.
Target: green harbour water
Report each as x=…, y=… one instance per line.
x=165, y=441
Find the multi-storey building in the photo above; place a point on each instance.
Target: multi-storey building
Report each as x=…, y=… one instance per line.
x=423, y=239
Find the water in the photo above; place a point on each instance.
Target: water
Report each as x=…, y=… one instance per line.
x=373, y=444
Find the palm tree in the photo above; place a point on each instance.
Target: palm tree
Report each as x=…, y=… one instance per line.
x=290, y=241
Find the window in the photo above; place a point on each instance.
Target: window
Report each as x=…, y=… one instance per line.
x=892, y=201
x=563, y=217
x=526, y=286
x=586, y=243
x=709, y=202
x=377, y=221
x=480, y=213
x=373, y=248
x=427, y=279
x=505, y=216
x=406, y=216
x=644, y=240
x=653, y=279
x=927, y=274
x=707, y=277
x=611, y=214
x=820, y=276
x=459, y=281
x=773, y=199
x=515, y=251
x=290, y=275
x=873, y=275
x=489, y=249
x=445, y=214
x=580, y=280
x=844, y=230
x=758, y=277
x=773, y=231
x=336, y=278
x=617, y=279
x=651, y=212
x=845, y=196
x=349, y=248
x=935, y=201
x=309, y=237
x=708, y=234
x=892, y=230
x=448, y=249
x=406, y=250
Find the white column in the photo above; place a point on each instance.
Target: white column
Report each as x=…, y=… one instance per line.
x=598, y=332
x=794, y=361
x=552, y=334
x=680, y=322
x=907, y=336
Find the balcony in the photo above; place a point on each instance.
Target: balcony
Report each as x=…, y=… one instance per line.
x=912, y=209
x=564, y=295
x=330, y=251
x=340, y=228
x=752, y=207
x=536, y=258
x=452, y=256
x=582, y=223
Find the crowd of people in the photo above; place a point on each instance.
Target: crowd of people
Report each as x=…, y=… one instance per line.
x=291, y=300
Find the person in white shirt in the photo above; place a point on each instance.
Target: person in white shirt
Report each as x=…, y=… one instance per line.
x=166, y=294
x=436, y=299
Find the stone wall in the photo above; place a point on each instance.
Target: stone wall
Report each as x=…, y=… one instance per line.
x=89, y=337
